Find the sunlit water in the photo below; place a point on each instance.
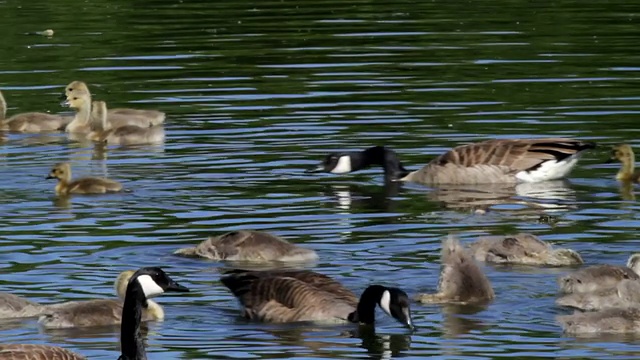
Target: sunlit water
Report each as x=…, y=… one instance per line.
x=257, y=92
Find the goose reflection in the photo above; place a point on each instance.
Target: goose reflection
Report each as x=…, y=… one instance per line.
x=381, y=346
x=361, y=197
x=549, y=196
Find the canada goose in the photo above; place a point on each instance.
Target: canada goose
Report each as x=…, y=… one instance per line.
x=31, y=121
x=604, y=321
x=491, y=161
x=461, y=279
x=100, y=312
x=625, y=294
x=288, y=296
x=599, y=277
x=246, y=245
x=522, y=248
x=153, y=117
x=103, y=131
x=87, y=185
x=624, y=154
x=145, y=283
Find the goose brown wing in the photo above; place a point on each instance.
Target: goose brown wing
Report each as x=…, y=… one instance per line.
x=36, y=352
x=516, y=154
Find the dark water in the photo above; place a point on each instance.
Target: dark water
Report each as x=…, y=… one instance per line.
x=257, y=91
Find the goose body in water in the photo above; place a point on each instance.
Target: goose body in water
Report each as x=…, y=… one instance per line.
x=104, y=132
x=145, y=283
x=612, y=321
x=288, y=296
x=86, y=185
x=522, y=248
x=462, y=281
x=31, y=122
x=251, y=246
x=492, y=161
x=626, y=294
x=599, y=277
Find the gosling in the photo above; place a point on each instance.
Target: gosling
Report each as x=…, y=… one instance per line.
x=624, y=154
x=87, y=185
x=461, y=279
x=103, y=130
x=599, y=277
x=612, y=321
x=250, y=246
x=626, y=294
x=522, y=249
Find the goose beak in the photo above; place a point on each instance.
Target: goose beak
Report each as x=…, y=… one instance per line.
x=175, y=287
x=315, y=169
x=408, y=322
x=65, y=103
x=49, y=177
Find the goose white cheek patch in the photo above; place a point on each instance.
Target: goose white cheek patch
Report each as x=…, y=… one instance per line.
x=385, y=302
x=149, y=287
x=343, y=166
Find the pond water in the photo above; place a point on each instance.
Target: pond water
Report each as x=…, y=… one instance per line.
x=256, y=92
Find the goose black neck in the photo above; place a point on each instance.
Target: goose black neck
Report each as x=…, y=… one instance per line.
x=366, y=310
x=131, y=343
x=379, y=155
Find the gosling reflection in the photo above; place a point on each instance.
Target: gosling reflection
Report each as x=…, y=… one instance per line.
x=456, y=321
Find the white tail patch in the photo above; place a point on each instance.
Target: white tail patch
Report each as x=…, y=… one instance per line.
x=343, y=166
x=149, y=287
x=385, y=302
x=549, y=170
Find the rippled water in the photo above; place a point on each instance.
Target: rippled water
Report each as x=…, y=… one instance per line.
x=256, y=92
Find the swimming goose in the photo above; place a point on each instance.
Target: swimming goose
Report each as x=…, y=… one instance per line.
x=604, y=321
x=246, y=245
x=99, y=312
x=31, y=121
x=461, y=279
x=599, y=277
x=103, y=131
x=625, y=294
x=287, y=296
x=492, y=161
x=87, y=185
x=145, y=283
x=13, y=306
x=624, y=154
x=522, y=248
x=152, y=117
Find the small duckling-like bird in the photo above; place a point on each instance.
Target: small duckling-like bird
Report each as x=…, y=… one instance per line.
x=13, y=306
x=625, y=294
x=103, y=131
x=99, y=312
x=87, y=185
x=461, y=279
x=599, y=277
x=152, y=117
x=31, y=122
x=493, y=161
x=252, y=246
x=145, y=283
x=524, y=249
x=614, y=321
x=624, y=154
x=288, y=296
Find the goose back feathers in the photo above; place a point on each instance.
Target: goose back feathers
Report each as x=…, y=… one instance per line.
x=289, y=296
x=36, y=352
x=492, y=161
x=246, y=245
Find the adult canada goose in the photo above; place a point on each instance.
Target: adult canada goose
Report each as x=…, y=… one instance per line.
x=103, y=131
x=599, y=277
x=625, y=294
x=153, y=117
x=624, y=154
x=86, y=185
x=604, y=321
x=99, y=312
x=522, y=248
x=492, y=161
x=145, y=283
x=461, y=279
x=287, y=296
x=246, y=245
x=31, y=121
